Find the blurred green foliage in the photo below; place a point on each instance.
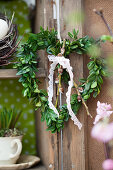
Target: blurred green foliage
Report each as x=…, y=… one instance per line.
x=8, y=122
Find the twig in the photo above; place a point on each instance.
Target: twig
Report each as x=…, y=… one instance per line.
x=76, y=86
x=59, y=86
x=59, y=76
x=13, y=49
x=100, y=13
x=86, y=107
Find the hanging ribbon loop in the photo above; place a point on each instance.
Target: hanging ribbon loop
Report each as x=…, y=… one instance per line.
x=65, y=63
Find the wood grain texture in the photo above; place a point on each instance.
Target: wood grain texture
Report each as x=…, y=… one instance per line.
x=47, y=147
x=11, y=73
x=74, y=141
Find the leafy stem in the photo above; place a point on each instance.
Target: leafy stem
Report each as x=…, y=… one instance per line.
x=86, y=107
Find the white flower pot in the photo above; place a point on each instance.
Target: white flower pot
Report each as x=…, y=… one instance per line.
x=10, y=149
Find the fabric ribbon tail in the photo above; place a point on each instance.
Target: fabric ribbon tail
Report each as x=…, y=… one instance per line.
x=76, y=122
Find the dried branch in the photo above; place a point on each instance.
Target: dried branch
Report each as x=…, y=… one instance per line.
x=100, y=13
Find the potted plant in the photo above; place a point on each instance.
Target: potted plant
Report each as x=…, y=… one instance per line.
x=10, y=137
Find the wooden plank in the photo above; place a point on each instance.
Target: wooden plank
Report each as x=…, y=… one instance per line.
x=74, y=141
x=47, y=146
x=11, y=73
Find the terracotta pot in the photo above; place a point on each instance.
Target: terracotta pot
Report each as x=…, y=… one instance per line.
x=10, y=149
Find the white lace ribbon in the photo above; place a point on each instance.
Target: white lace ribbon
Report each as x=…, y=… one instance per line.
x=65, y=63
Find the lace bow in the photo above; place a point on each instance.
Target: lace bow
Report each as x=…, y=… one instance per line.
x=65, y=63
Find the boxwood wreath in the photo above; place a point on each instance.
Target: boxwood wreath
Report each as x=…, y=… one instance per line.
x=27, y=68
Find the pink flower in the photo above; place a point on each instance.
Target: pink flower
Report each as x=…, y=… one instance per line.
x=108, y=164
x=102, y=132
x=103, y=110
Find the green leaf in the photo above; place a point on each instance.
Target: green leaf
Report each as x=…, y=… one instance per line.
x=25, y=92
x=87, y=86
x=99, y=80
x=82, y=80
x=43, y=98
x=38, y=104
x=97, y=72
x=95, y=94
x=90, y=65
x=44, y=92
x=94, y=85
x=79, y=51
x=95, y=68
x=74, y=32
x=107, y=38
x=70, y=34
x=23, y=71
x=9, y=118
x=53, y=50
x=36, y=91
x=103, y=72
x=86, y=97
x=25, y=84
x=41, y=43
x=91, y=77
x=91, y=90
x=41, y=29
x=22, y=79
x=73, y=47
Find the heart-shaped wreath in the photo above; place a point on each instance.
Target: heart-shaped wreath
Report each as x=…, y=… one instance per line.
x=27, y=68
